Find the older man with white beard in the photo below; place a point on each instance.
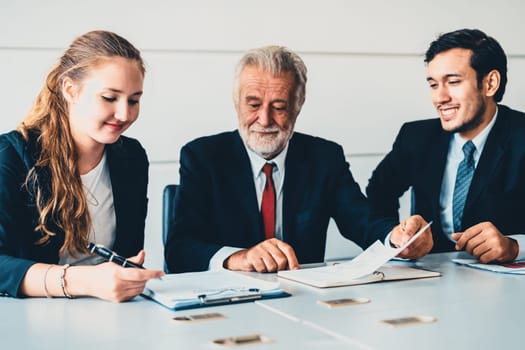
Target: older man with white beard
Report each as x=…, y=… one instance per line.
x=260, y=198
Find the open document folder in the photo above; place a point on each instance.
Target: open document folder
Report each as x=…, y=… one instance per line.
x=367, y=267
x=200, y=289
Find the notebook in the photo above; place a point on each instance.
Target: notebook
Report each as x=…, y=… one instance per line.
x=331, y=276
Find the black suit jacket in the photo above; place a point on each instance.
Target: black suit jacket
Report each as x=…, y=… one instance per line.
x=128, y=167
x=418, y=159
x=216, y=203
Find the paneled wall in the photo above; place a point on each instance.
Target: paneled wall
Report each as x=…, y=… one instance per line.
x=366, y=71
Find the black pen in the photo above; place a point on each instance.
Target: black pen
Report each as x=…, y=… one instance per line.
x=110, y=255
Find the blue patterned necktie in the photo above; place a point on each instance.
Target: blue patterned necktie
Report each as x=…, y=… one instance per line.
x=463, y=178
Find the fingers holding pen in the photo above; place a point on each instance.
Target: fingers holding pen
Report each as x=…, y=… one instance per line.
x=111, y=280
x=136, y=274
x=121, y=283
x=139, y=258
x=139, y=275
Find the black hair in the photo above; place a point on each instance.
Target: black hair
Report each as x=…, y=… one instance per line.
x=487, y=54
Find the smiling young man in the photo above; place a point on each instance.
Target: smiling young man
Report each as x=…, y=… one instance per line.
x=260, y=198
x=466, y=169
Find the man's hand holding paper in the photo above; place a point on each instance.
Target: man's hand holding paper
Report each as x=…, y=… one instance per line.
x=403, y=232
x=367, y=267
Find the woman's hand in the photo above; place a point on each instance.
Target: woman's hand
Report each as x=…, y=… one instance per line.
x=110, y=281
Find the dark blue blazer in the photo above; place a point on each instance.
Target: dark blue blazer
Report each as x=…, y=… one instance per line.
x=216, y=203
x=418, y=159
x=128, y=167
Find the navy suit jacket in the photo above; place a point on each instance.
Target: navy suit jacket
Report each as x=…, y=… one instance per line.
x=128, y=167
x=216, y=203
x=418, y=159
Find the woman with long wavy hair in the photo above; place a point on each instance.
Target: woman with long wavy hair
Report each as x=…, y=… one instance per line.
x=68, y=178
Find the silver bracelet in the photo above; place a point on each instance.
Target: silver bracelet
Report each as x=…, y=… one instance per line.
x=46, y=292
x=63, y=281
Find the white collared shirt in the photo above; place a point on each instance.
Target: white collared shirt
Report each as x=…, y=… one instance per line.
x=259, y=179
x=454, y=157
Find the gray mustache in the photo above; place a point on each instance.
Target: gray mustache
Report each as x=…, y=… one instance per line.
x=265, y=130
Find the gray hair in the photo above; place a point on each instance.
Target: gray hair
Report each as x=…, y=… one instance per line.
x=275, y=60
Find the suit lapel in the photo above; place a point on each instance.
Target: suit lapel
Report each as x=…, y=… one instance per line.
x=432, y=172
x=490, y=159
x=243, y=184
x=294, y=183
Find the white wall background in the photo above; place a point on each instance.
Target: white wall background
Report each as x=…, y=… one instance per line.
x=366, y=71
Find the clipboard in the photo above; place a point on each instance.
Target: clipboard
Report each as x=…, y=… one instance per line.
x=209, y=288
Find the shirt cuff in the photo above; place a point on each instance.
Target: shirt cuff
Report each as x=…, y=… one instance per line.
x=387, y=240
x=521, y=245
x=217, y=260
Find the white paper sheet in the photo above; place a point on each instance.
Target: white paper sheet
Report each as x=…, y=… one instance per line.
x=515, y=268
x=365, y=264
x=372, y=258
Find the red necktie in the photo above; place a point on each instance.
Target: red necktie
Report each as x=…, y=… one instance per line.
x=268, y=203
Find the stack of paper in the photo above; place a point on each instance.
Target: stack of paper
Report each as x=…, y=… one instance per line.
x=516, y=268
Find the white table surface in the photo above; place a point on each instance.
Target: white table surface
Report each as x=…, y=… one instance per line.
x=474, y=310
